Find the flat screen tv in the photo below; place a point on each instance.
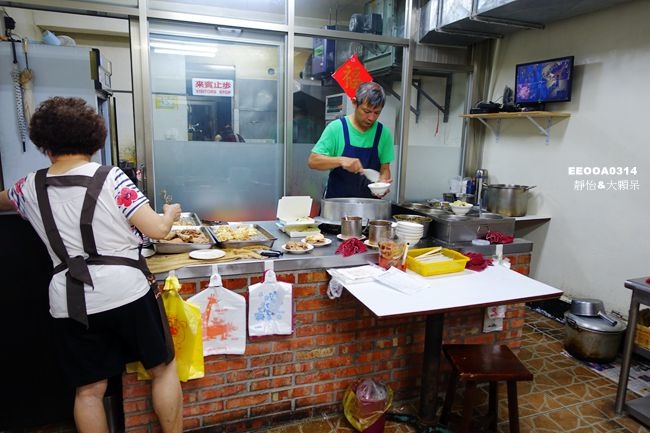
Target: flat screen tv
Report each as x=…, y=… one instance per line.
x=537, y=83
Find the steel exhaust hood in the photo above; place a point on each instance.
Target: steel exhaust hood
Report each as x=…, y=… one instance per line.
x=465, y=22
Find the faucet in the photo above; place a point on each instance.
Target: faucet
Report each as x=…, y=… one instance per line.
x=480, y=174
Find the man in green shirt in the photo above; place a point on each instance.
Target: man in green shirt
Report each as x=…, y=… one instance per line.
x=353, y=143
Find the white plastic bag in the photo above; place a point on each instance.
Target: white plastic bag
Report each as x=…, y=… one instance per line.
x=270, y=307
x=223, y=314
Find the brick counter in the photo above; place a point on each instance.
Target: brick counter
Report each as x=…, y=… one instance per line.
x=283, y=378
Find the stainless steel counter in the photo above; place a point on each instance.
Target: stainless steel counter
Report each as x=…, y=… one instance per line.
x=324, y=257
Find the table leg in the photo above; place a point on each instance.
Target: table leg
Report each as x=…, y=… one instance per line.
x=627, y=355
x=431, y=366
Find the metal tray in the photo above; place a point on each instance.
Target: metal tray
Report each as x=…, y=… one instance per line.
x=263, y=238
x=174, y=247
x=187, y=219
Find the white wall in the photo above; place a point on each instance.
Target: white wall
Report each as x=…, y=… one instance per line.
x=595, y=239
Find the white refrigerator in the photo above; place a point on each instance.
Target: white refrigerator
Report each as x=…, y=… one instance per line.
x=57, y=71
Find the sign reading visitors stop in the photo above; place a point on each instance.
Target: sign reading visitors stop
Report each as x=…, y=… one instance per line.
x=350, y=74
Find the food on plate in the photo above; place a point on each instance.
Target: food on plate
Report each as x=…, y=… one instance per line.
x=461, y=203
x=296, y=246
x=184, y=221
x=238, y=233
x=189, y=236
x=316, y=239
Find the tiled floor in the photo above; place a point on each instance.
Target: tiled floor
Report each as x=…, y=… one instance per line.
x=564, y=396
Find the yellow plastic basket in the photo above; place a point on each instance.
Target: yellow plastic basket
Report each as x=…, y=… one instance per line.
x=457, y=263
x=642, y=334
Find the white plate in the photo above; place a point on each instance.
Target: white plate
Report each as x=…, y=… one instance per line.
x=207, y=254
x=368, y=244
x=321, y=244
x=310, y=247
x=340, y=237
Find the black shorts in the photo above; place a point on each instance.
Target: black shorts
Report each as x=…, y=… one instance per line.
x=132, y=332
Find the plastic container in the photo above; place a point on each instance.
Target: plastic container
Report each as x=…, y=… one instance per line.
x=377, y=426
x=457, y=264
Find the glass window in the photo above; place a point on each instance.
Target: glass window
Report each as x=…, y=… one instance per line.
x=273, y=11
x=217, y=122
x=378, y=17
x=133, y=3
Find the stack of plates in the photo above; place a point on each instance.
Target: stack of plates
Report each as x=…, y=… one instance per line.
x=409, y=231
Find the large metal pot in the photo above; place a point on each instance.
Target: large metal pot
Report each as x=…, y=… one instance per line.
x=332, y=209
x=506, y=199
x=592, y=338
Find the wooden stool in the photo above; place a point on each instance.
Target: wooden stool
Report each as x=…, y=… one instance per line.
x=474, y=363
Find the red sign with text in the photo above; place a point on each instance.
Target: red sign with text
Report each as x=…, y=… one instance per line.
x=350, y=75
x=212, y=87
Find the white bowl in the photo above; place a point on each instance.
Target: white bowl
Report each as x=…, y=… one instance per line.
x=408, y=225
x=407, y=230
x=412, y=241
x=379, y=188
x=460, y=210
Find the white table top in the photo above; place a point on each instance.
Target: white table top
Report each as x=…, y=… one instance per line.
x=496, y=285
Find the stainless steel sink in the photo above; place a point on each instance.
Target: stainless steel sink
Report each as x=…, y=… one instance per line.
x=452, y=228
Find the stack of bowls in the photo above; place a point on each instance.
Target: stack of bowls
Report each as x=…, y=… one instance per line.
x=409, y=231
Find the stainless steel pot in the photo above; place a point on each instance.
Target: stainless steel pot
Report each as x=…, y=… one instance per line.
x=590, y=308
x=506, y=199
x=586, y=307
x=592, y=338
x=333, y=209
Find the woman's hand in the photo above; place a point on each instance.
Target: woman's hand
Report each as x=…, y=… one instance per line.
x=172, y=211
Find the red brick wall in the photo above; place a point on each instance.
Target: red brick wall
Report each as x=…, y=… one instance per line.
x=305, y=374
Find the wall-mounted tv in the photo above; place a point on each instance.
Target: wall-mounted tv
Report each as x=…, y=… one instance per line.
x=537, y=83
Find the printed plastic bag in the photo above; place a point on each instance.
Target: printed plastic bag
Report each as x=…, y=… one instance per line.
x=270, y=307
x=185, y=326
x=223, y=317
x=365, y=401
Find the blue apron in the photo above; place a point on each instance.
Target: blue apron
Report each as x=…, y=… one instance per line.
x=342, y=183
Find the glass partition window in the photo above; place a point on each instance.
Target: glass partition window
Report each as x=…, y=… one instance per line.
x=273, y=11
x=378, y=17
x=318, y=99
x=435, y=147
x=217, y=127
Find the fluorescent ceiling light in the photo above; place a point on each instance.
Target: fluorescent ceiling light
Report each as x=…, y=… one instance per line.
x=205, y=48
x=220, y=67
x=184, y=52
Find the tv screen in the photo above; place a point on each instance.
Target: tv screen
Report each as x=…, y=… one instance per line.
x=537, y=83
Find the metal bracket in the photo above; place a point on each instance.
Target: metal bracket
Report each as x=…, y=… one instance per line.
x=545, y=131
x=420, y=92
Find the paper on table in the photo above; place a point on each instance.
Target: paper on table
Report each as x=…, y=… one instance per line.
x=401, y=281
x=356, y=274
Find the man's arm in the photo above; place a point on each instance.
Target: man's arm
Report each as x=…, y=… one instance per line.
x=323, y=162
x=384, y=173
